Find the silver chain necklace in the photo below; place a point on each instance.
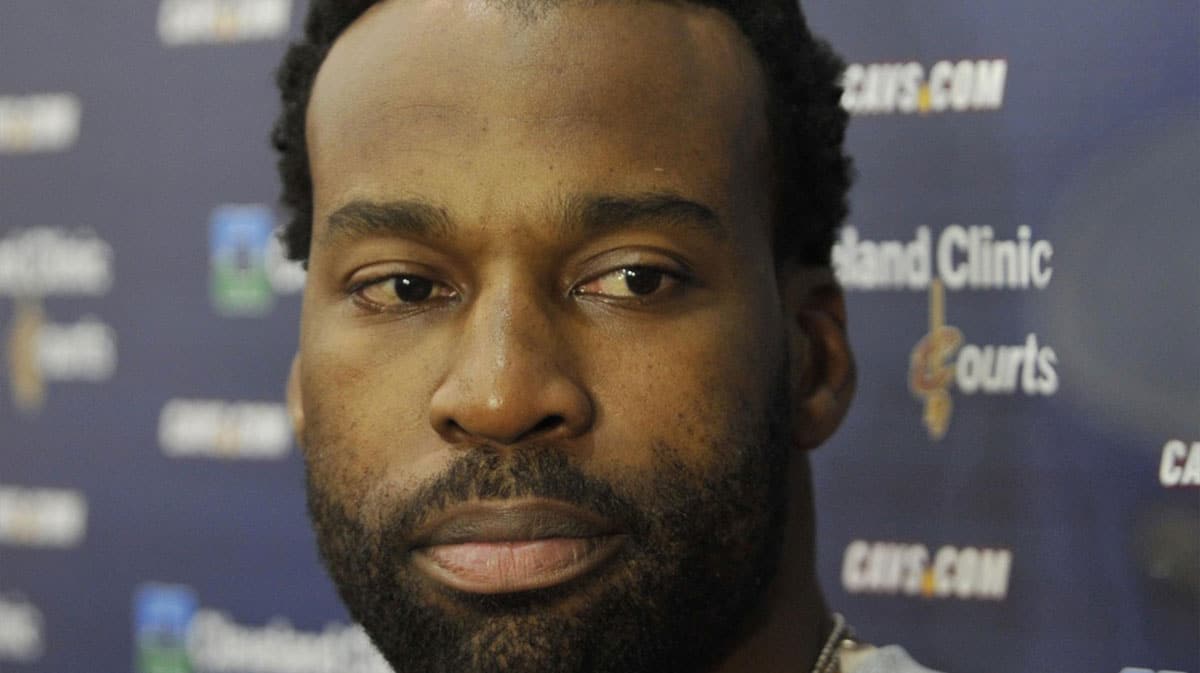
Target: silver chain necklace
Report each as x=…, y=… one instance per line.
x=827, y=659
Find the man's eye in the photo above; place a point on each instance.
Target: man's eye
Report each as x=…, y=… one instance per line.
x=631, y=282
x=403, y=291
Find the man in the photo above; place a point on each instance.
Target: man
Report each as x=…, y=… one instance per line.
x=569, y=329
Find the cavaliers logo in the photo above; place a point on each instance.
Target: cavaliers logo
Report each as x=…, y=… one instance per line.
x=25, y=375
x=930, y=369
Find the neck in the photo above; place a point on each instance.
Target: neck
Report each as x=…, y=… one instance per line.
x=792, y=623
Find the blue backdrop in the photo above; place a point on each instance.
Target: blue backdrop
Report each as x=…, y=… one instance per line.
x=1017, y=487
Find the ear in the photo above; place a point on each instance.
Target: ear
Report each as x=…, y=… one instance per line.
x=295, y=399
x=822, y=366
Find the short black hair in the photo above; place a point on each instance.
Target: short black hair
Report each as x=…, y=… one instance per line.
x=811, y=171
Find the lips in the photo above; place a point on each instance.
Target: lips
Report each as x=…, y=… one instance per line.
x=495, y=547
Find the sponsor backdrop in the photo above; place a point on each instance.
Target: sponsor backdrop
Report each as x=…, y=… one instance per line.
x=1016, y=488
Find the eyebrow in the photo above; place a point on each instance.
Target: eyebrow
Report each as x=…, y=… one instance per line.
x=603, y=212
x=411, y=217
x=589, y=213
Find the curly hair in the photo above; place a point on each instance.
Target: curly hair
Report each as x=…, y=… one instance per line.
x=811, y=172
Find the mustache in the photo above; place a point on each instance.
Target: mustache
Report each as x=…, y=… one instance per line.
x=530, y=472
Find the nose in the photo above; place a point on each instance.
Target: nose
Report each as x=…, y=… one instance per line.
x=510, y=379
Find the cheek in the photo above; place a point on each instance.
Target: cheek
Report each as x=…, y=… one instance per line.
x=366, y=407
x=693, y=388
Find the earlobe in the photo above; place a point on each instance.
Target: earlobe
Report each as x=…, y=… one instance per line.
x=822, y=366
x=295, y=405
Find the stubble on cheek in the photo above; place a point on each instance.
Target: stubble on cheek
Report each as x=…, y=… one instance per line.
x=337, y=467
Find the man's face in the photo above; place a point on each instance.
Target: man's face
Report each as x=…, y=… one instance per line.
x=542, y=364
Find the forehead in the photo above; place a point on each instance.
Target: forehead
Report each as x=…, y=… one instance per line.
x=421, y=95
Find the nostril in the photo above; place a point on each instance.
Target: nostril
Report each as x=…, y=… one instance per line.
x=455, y=432
x=547, y=423
x=451, y=429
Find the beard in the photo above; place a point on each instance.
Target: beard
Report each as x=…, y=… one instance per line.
x=702, y=545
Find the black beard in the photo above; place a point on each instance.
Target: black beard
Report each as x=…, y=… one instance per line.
x=701, y=549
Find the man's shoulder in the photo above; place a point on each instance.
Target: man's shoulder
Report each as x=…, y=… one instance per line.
x=889, y=659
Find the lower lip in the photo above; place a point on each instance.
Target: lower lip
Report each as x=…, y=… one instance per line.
x=509, y=567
